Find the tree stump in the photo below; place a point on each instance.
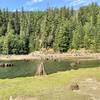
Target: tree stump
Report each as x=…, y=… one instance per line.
x=40, y=69
x=74, y=86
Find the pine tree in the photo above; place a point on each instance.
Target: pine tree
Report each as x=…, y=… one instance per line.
x=1, y=44
x=97, y=36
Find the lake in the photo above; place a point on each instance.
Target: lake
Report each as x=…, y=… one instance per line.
x=26, y=68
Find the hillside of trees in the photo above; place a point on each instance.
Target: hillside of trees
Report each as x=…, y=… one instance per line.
x=61, y=29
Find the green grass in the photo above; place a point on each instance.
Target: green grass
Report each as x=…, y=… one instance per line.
x=50, y=87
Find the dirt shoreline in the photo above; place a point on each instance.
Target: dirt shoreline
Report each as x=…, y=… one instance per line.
x=48, y=56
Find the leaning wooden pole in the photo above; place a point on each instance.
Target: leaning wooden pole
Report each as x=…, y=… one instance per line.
x=40, y=69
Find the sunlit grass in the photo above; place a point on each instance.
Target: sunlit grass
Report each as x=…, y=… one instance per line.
x=44, y=86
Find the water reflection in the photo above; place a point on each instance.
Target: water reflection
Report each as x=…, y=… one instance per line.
x=28, y=68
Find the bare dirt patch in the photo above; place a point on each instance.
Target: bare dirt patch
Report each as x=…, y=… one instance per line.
x=90, y=87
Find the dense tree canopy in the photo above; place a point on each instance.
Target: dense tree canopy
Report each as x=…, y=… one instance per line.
x=58, y=28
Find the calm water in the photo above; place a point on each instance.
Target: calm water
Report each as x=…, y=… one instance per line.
x=28, y=68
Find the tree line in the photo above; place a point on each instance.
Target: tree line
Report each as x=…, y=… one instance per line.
x=61, y=29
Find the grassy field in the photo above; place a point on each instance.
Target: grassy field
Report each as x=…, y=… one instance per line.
x=50, y=87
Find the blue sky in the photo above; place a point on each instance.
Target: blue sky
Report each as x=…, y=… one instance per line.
x=42, y=4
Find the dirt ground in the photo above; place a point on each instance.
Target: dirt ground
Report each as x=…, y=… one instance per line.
x=90, y=87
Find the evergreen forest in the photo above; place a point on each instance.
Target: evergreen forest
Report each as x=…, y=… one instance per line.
x=60, y=29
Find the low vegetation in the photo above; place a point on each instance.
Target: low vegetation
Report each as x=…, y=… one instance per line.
x=50, y=87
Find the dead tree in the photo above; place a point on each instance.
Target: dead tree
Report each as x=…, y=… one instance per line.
x=40, y=69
